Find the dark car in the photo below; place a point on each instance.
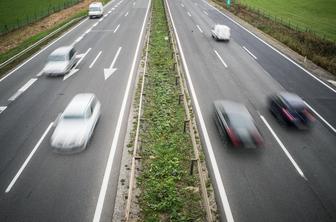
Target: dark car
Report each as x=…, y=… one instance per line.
x=290, y=109
x=236, y=123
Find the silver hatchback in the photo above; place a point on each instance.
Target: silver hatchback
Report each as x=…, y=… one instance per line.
x=60, y=61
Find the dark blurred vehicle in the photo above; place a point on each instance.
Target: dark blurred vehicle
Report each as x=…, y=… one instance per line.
x=290, y=109
x=234, y=121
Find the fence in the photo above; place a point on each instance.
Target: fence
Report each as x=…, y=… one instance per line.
x=37, y=15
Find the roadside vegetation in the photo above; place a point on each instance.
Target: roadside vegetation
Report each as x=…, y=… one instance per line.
x=168, y=191
x=320, y=50
x=17, y=13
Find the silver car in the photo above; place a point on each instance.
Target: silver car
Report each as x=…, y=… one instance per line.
x=221, y=32
x=76, y=124
x=60, y=61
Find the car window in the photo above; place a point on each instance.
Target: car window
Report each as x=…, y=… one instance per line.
x=72, y=52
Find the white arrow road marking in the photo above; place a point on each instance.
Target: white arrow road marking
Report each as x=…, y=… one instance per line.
x=2, y=108
x=93, y=62
x=22, y=89
x=116, y=29
x=108, y=72
x=74, y=70
x=248, y=51
x=28, y=159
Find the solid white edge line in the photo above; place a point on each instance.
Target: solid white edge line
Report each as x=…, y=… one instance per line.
x=93, y=62
x=22, y=89
x=319, y=116
x=276, y=50
x=289, y=156
x=116, y=29
x=249, y=52
x=108, y=169
x=28, y=159
x=199, y=28
x=220, y=58
x=2, y=108
x=47, y=46
x=189, y=14
x=221, y=190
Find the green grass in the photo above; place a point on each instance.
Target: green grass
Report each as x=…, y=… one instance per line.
x=16, y=13
x=316, y=15
x=168, y=191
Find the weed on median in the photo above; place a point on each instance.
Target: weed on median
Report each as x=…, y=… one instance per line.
x=168, y=191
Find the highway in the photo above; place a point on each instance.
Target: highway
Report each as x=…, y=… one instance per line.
x=37, y=184
x=293, y=176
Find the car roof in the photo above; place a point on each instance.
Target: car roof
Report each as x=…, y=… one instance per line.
x=219, y=26
x=291, y=99
x=62, y=50
x=96, y=4
x=231, y=107
x=78, y=104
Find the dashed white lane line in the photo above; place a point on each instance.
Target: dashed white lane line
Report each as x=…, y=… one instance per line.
x=289, y=156
x=220, y=58
x=112, y=9
x=93, y=62
x=101, y=19
x=78, y=39
x=133, y=3
x=116, y=29
x=189, y=14
x=2, y=108
x=251, y=54
x=199, y=28
x=40, y=73
x=218, y=179
x=319, y=116
x=205, y=12
x=107, y=173
x=126, y=14
x=182, y=5
x=109, y=11
x=274, y=49
x=105, y=15
x=22, y=89
x=28, y=159
x=94, y=25
x=89, y=30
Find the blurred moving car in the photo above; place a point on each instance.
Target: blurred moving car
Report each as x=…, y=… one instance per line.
x=96, y=9
x=289, y=108
x=221, y=32
x=234, y=120
x=75, y=125
x=60, y=61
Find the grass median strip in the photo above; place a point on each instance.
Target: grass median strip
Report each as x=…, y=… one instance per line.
x=168, y=191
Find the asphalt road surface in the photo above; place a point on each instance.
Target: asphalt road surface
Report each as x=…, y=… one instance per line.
x=293, y=176
x=37, y=184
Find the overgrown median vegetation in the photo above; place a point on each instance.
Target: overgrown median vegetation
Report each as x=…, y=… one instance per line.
x=318, y=49
x=168, y=191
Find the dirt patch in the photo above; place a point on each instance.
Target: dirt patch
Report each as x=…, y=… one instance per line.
x=14, y=38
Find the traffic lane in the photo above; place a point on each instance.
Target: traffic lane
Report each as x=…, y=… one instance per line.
x=291, y=77
x=109, y=91
x=197, y=69
x=29, y=70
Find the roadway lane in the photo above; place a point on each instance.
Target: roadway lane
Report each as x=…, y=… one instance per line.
x=264, y=184
x=66, y=188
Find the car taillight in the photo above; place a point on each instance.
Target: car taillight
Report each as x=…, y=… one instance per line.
x=308, y=115
x=257, y=138
x=233, y=137
x=287, y=114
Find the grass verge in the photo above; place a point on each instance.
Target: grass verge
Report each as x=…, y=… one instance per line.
x=321, y=51
x=168, y=191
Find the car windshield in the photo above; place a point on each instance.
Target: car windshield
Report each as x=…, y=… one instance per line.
x=94, y=8
x=56, y=58
x=74, y=116
x=239, y=120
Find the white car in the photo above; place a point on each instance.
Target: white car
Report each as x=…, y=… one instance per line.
x=96, y=9
x=76, y=124
x=221, y=32
x=60, y=61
